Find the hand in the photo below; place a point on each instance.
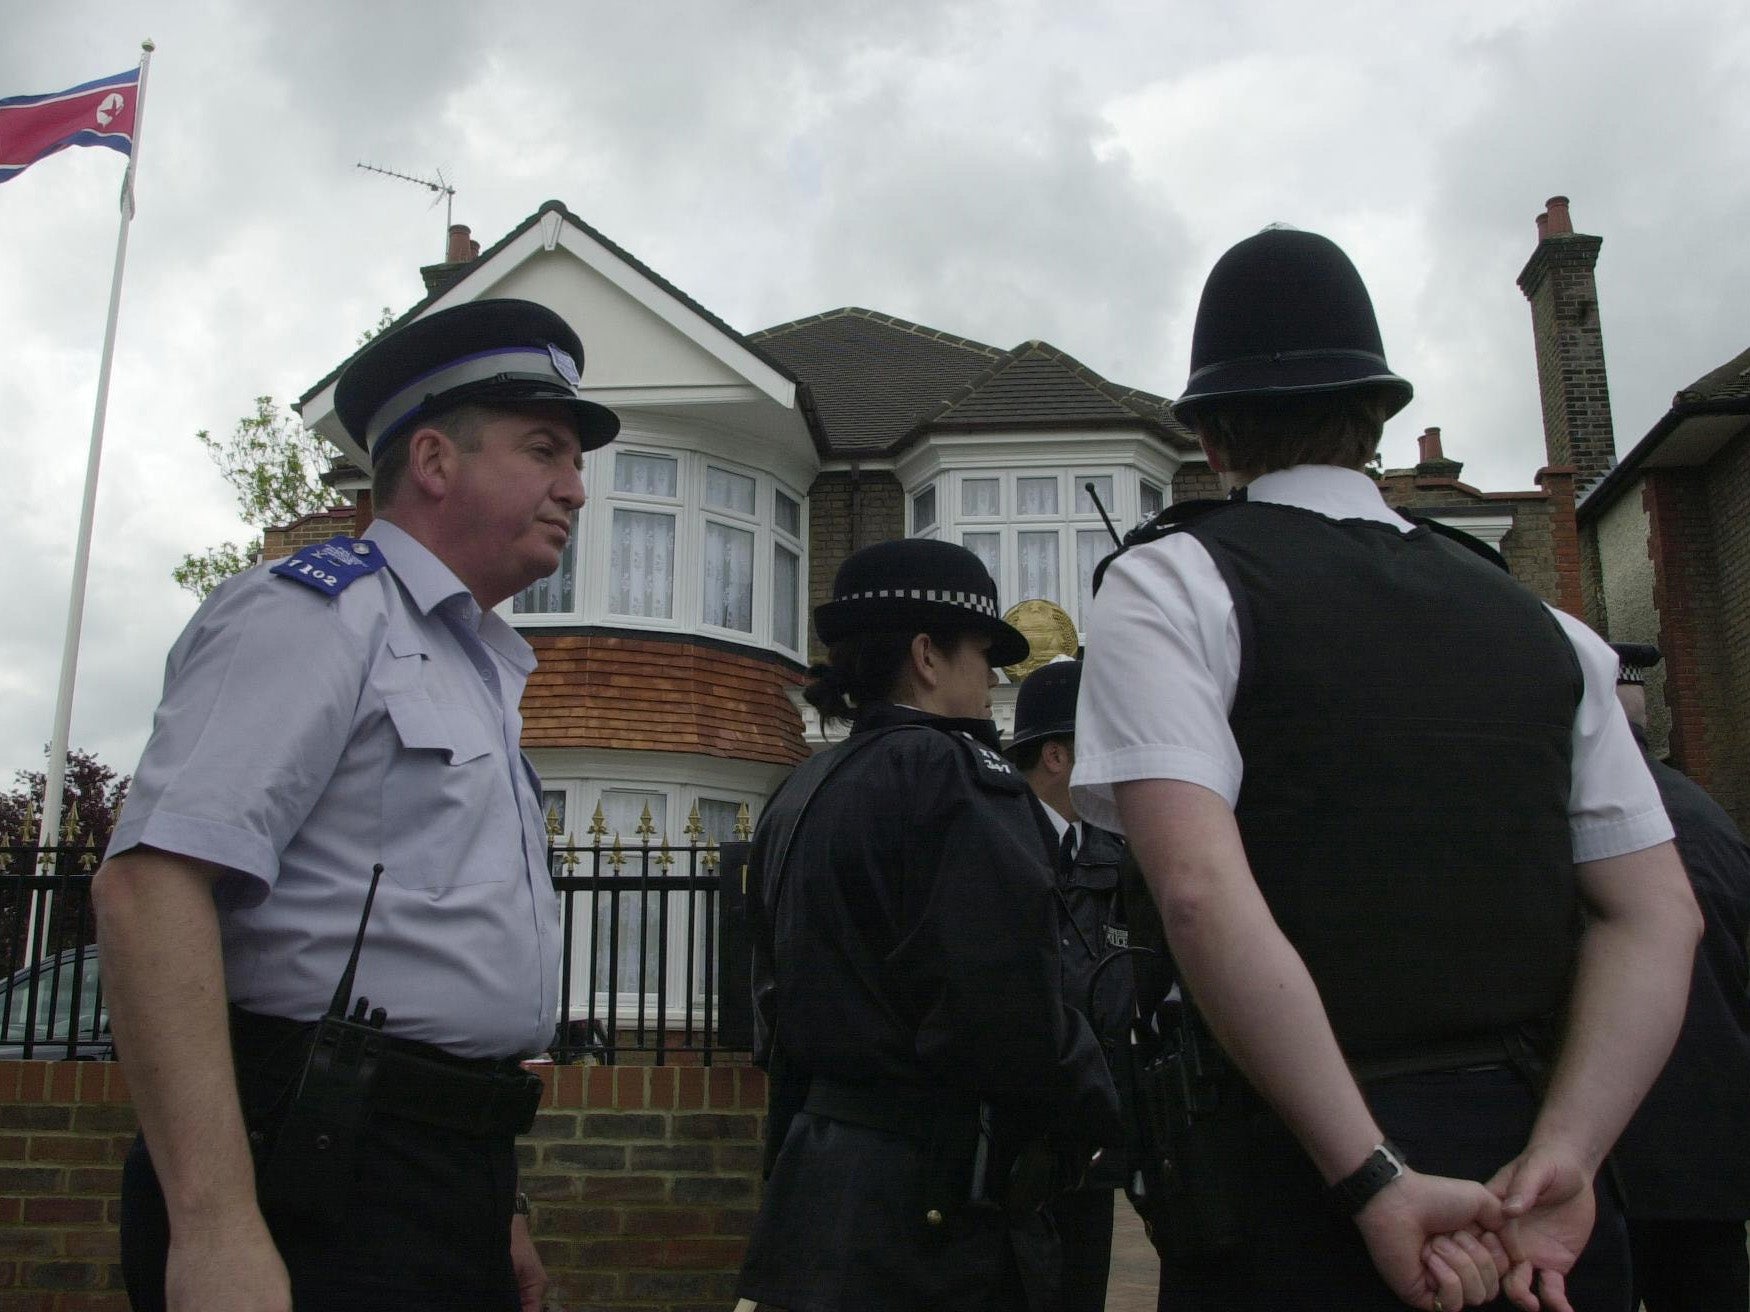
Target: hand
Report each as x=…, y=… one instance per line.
x=232, y=1265
x=531, y=1276
x=1412, y=1230
x=1549, y=1208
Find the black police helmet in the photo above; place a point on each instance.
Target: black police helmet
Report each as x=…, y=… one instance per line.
x=1285, y=313
x=1045, y=706
x=1634, y=659
x=918, y=584
x=484, y=352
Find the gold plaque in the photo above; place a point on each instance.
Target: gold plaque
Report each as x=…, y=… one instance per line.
x=1049, y=631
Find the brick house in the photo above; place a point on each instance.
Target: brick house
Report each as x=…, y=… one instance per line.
x=1663, y=534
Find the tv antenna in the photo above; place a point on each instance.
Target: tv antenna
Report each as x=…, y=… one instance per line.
x=445, y=192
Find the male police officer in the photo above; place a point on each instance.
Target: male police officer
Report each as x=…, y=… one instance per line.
x=1097, y=977
x=1372, y=783
x=355, y=705
x=1684, y=1158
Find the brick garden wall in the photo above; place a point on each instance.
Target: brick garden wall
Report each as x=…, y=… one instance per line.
x=644, y=1182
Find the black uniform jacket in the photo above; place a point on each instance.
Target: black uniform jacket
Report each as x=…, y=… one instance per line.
x=1685, y=1154
x=911, y=946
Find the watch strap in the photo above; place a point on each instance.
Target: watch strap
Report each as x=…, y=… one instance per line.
x=1355, y=1190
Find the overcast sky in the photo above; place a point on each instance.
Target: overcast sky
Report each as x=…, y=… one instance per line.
x=999, y=170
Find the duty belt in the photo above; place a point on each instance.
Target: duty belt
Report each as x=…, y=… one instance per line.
x=1509, y=1048
x=892, y=1108
x=414, y=1081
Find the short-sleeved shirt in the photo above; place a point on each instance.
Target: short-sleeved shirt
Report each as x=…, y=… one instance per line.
x=303, y=738
x=1163, y=662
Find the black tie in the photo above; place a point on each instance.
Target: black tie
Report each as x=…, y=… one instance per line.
x=1066, y=851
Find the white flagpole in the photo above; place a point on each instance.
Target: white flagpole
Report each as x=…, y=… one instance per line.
x=54, y=780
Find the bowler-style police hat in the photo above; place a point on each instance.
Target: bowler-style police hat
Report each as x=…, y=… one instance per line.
x=1634, y=659
x=1285, y=313
x=917, y=584
x=485, y=352
x=1045, y=706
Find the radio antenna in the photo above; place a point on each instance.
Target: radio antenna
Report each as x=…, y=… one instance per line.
x=444, y=191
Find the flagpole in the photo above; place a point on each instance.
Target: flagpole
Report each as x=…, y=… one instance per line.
x=54, y=780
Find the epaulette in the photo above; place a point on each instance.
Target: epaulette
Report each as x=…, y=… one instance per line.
x=1180, y=514
x=1474, y=545
x=332, y=566
x=994, y=770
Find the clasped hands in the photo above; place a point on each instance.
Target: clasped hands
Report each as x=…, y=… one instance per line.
x=1442, y=1244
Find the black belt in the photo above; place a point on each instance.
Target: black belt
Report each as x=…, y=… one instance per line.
x=1509, y=1049
x=893, y=1108
x=414, y=1081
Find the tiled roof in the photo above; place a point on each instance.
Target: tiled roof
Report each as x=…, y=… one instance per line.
x=604, y=690
x=872, y=376
x=1038, y=386
x=1730, y=379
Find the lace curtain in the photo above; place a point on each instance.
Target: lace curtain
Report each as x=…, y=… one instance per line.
x=981, y=496
x=1036, y=496
x=557, y=593
x=641, y=564
x=728, y=577
x=1091, y=546
x=786, y=569
x=1037, y=557
x=639, y=922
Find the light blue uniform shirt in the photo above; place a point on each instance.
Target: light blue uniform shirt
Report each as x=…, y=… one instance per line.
x=303, y=738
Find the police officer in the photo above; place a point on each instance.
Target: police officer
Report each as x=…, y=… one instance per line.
x=1684, y=1159
x=1373, y=783
x=355, y=704
x=927, y=1074
x=1098, y=979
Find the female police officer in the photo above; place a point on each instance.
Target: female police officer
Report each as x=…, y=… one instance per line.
x=906, y=976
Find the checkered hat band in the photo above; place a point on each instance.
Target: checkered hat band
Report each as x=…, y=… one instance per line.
x=967, y=600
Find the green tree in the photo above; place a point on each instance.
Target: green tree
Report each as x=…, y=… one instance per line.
x=274, y=465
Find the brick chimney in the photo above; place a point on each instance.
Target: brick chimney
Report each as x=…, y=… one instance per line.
x=1558, y=281
x=1431, y=461
x=460, y=251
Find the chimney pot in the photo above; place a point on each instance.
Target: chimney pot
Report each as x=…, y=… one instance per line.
x=458, y=247
x=1542, y=226
x=1430, y=446
x=1559, y=220
x=473, y=250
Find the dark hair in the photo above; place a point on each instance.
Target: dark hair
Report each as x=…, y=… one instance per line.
x=462, y=423
x=864, y=667
x=1259, y=434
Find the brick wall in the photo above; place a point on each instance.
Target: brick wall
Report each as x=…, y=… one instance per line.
x=1558, y=280
x=1194, y=481
x=1728, y=496
x=644, y=1183
x=311, y=529
x=847, y=510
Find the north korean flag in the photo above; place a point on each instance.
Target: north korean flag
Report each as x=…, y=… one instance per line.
x=99, y=113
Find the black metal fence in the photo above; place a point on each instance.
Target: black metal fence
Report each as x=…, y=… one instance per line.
x=655, y=953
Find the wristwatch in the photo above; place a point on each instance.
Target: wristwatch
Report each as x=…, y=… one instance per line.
x=1355, y=1190
x=519, y=1204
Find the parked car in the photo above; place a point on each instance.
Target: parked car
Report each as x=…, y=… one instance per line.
x=49, y=1023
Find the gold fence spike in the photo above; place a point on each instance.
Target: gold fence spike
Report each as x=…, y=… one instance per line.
x=553, y=825
x=694, y=829
x=616, y=858
x=711, y=854
x=70, y=828
x=646, y=826
x=570, y=859
x=665, y=858
x=743, y=824
x=598, y=825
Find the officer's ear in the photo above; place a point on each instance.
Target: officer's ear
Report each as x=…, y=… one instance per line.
x=432, y=458
x=924, y=661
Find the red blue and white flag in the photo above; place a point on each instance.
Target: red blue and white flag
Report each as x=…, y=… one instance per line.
x=100, y=113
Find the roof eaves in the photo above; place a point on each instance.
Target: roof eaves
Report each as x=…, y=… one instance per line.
x=1608, y=490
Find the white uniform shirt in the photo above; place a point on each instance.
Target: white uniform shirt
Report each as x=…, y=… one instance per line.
x=1163, y=661
x=303, y=738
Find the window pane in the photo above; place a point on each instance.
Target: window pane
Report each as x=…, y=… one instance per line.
x=1092, y=545
x=923, y=510
x=728, y=577
x=1152, y=501
x=981, y=496
x=1036, y=496
x=642, y=565
x=1102, y=485
x=727, y=491
x=651, y=476
x=557, y=593
x=1038, y=563
x=786, y=575
x=988, y=547
x=789, y=515
x=627, y=926
x=717, y=819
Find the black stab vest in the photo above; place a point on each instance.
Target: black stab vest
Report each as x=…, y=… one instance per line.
x=1404, y=714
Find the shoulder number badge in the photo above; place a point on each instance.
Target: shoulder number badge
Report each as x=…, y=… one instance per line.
x=332, y=566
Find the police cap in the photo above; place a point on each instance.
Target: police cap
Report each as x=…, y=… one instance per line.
x=1634, y=659
x=1045, y=706
x=917, y=583
x=502, y=352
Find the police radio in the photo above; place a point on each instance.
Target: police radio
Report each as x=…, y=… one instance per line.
x=310, y=1166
